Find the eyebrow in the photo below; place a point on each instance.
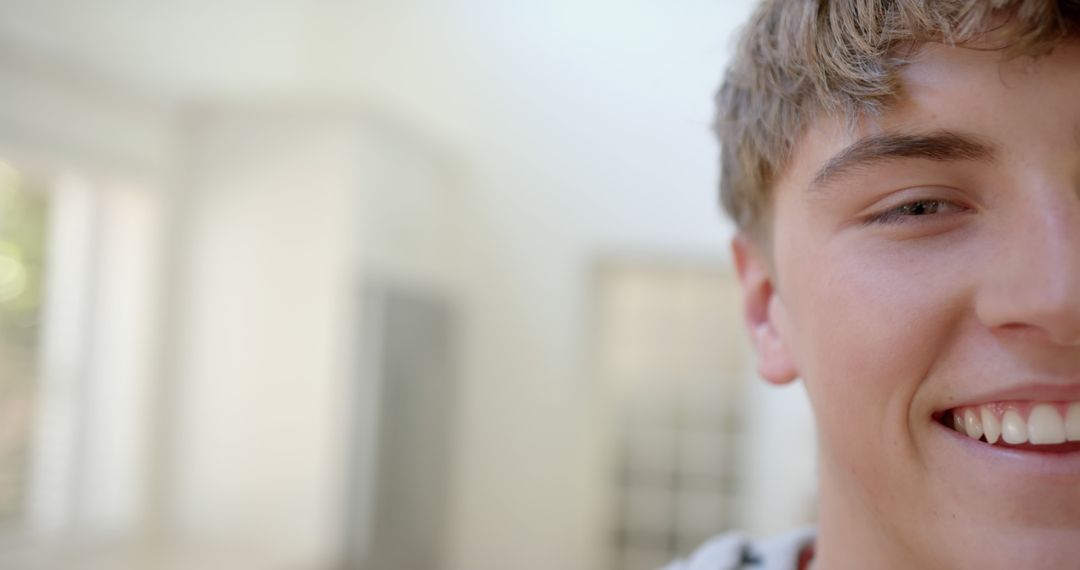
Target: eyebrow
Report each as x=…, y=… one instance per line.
x=941, y=146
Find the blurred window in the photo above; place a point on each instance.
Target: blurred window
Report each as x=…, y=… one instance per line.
x=23, y=216
x=671, y=356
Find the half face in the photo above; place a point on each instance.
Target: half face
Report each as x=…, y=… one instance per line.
x=926, y=286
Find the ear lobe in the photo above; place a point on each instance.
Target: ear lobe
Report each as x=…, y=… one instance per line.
x=764, y=313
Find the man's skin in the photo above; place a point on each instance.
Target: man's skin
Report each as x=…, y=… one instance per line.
x=893, y=317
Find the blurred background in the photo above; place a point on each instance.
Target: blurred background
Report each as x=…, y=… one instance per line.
x=374, y=285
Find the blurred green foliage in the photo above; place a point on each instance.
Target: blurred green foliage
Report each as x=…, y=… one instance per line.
x=22, y=255
x=23, y=217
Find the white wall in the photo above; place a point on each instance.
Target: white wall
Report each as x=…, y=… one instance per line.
x=51, y=114
x=266, y=303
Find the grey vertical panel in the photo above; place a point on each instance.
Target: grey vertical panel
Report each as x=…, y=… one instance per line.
x=414, y=336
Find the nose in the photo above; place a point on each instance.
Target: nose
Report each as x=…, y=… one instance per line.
x=1033, y=284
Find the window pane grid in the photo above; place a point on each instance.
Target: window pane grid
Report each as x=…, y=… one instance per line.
x=668, y=351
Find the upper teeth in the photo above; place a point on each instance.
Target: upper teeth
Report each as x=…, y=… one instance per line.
x=1046, y=423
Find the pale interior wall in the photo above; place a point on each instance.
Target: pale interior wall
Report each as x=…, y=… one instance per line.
x=521, y=487
x=268, y=277
x=51, y=114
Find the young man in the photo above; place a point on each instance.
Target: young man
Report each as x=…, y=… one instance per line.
x=905, y=177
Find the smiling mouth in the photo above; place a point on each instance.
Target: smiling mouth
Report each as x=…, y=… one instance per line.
x=1049, y=427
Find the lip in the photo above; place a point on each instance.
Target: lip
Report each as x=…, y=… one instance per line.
x=1045, y=467
x=1036, y=392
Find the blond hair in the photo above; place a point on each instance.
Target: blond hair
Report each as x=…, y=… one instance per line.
x=797, y=58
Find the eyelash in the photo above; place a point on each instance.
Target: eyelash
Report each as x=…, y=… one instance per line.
x=901, y=213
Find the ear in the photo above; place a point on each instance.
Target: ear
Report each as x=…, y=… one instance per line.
x=764, y=312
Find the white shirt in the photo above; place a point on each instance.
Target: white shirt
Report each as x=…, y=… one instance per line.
x=735, y=551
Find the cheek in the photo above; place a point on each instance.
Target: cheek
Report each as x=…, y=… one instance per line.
x=872, y=326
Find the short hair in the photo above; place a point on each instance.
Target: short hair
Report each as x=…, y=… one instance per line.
x=798, y=58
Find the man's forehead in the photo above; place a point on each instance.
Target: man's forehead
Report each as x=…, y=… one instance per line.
x=926, y=119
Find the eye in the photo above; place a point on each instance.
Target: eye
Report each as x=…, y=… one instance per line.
x=914, y=209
